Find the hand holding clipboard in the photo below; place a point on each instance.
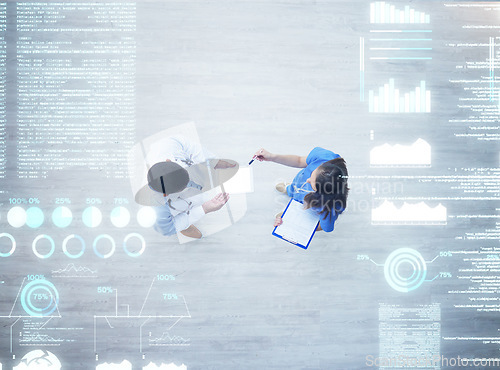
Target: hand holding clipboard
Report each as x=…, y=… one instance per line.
x=299, y=224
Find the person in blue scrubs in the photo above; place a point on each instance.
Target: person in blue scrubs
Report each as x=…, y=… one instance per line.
x=320, y=185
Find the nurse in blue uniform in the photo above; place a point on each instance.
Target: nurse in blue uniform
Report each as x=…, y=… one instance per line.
x=320, y=185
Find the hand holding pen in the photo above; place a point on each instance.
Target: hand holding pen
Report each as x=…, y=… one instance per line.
x=261, y=155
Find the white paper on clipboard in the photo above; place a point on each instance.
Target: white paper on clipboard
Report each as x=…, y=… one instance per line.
x=298, y=224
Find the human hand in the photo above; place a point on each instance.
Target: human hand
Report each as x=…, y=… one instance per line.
x=215, y=203
x=278, y=220
x=222, y=164
x=263, y=155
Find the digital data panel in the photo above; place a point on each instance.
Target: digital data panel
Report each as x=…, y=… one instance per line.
x=136, y=231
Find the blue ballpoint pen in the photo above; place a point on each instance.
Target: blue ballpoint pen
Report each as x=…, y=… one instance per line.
x=253, y=158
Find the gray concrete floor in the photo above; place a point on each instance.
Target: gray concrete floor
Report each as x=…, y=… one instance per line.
x=283, y=75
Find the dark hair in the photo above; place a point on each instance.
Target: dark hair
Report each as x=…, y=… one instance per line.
x=331, y=188
x=167, y=177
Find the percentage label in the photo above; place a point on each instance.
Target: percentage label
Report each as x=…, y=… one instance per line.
x=121, y=201
x=18, y=201
x=362, y=257
x=35, y=277
x=63, y=201
x=40, y=296
x=165, y=277
x=104, y=289
x=445, y=254
x=445, y=275
x=168, y=296
x=94, y=201
x=34, y=201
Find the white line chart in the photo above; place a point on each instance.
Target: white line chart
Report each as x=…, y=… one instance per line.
x=145, y=318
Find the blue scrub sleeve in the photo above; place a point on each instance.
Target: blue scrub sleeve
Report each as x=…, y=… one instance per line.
x=328, y=223
x=164, y=221
x=313, y=154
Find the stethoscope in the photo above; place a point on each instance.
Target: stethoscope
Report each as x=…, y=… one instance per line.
x=189, y=204
x=188, y=162
x=191, y=184
x=301, y=189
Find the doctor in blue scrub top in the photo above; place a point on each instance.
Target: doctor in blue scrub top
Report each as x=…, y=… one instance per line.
x=320, y=185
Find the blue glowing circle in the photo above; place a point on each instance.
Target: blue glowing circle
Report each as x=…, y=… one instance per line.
x=62, y=216
x=12, y=249
x=30, y=295
x=34, y=217
x=65, y=246
x=29, y=290
x=398, y=267
x=143, y=244
x=120, y=217
x=113, y=246
x=52, y=246
x=393, y=264
x=92, y=216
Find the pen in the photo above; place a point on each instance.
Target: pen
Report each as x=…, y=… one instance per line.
x=253, y=158
x=162, y=186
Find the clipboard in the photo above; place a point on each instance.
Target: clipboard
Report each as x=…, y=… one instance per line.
x=308, y=217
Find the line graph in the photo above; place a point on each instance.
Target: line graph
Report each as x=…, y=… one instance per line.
x=72, y=270
x=172, y=302
x=167, y=340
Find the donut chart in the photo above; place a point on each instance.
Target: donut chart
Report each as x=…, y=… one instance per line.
x=405, y=270
x=39, y=298
x=13, y=245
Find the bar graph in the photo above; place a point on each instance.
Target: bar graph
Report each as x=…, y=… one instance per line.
x=382, y=12
x=392, y=100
